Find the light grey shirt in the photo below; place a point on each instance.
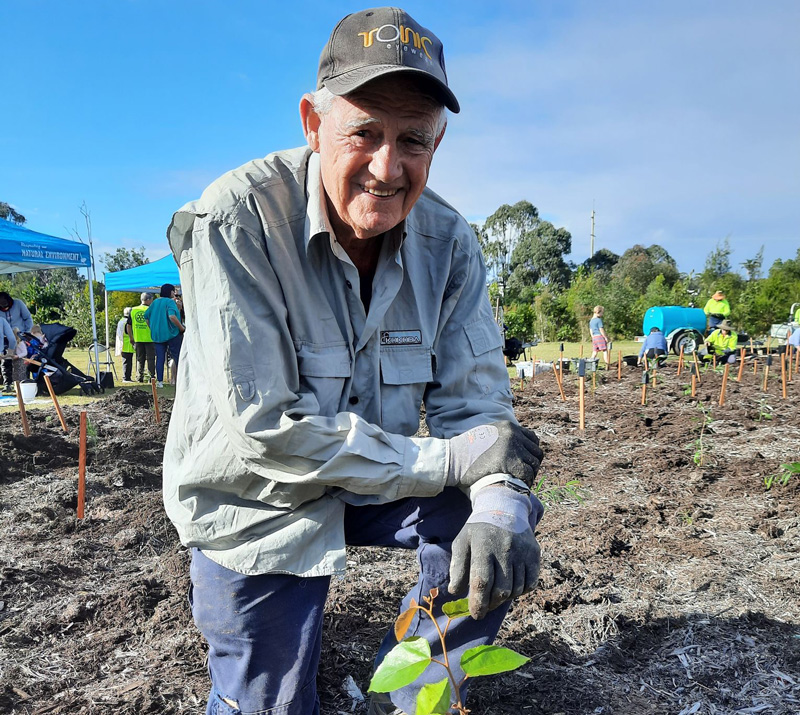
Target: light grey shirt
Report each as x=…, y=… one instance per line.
x=291, y=399
x=18, y=316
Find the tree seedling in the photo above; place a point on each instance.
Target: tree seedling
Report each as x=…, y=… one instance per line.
x=409, y=659
x=782, y=478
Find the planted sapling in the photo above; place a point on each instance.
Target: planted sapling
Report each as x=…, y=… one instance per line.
x=409, y=659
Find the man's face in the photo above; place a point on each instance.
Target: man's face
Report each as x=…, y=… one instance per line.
x=375, y=147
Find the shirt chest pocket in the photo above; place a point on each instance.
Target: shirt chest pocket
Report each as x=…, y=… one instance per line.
x=323, y=371
x=405, y=373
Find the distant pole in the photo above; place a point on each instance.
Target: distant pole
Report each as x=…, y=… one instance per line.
x=591, y=244
x=619, y=365
x=680, y=361
x=741, y=366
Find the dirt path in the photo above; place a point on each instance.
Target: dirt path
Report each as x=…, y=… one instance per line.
x=667, y=586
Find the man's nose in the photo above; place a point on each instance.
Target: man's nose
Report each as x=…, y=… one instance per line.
x=385, y=165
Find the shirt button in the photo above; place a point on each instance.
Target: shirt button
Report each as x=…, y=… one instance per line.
x=349, y=285
x=353, y=400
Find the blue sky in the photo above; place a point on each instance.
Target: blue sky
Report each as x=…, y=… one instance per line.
x=679, y=120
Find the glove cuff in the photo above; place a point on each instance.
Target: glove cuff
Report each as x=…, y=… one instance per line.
x=506, y=508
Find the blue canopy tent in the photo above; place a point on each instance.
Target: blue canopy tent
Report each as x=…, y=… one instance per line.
x=150, y=276
x=24, y=250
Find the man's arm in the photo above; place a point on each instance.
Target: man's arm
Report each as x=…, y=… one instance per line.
x=176, y=321
x=271, y=420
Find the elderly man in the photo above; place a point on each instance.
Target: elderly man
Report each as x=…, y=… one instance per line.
x=329, y=294
x=16, y=316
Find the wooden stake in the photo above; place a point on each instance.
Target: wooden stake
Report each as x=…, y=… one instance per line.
x=696, y=366
x=755, y=364
x=533, y=373
x=724, y=385
x=789, y=363
x=619, y=365
x=26, y=429
x=714, y=361
x=594, y=381
x=155, y=399
x=581, y=355
x=694, y=385
x=581, y=396
x=766, y=372
x=783, y=375
x=680, y=361
x=55, y=403
x=557, y=373
x=645, y=378
x=82, y=466
x=741, y=365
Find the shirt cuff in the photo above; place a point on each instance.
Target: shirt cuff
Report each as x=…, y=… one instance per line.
x=424, y=470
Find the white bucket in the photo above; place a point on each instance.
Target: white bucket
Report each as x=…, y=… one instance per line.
x=28, y=391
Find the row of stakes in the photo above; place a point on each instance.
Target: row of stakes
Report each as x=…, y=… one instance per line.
x=26, y=430
x=792, y=355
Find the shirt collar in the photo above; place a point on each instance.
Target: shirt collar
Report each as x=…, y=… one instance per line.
x=317, y=221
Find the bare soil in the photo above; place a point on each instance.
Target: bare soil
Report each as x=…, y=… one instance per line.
x=670, y=578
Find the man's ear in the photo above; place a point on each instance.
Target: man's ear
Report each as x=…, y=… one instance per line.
x=440, y=137
x=311, y=121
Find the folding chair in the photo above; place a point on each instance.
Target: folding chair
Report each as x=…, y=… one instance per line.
x=106, y=361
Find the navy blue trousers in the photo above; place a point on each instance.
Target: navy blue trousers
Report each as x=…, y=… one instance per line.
x=265, y=632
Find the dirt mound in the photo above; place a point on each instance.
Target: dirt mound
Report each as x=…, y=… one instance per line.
x=670, y=571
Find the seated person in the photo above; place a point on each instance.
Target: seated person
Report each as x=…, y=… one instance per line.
x=654, y=347
x=722, y=342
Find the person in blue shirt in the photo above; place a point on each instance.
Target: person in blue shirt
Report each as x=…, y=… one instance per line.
x=654, y=347
x=164, y=320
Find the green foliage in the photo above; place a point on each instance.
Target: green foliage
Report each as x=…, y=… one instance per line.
x=77, y=314
x=559, y=493
x=539, y=256
x=9, y=213
x=411, y=657
x=639, y=266
x=553, y=319
x=792, y=469
x=519, y=319
x=123, y=258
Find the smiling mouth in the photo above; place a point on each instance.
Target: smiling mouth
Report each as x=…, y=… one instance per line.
x=378, y=192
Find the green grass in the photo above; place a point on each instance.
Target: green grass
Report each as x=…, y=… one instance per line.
x=79, y=358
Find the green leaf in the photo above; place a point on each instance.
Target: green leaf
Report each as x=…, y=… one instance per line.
x=456, y=609
x=490, y=660
x=402, y=665
x=434, y=698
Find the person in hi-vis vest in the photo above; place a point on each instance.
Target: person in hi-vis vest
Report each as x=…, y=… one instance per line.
x=145, y=349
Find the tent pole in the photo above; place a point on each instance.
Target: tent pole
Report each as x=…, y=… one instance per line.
x=94, y=324
x=108, y=344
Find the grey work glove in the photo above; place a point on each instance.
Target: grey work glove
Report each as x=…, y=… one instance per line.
x=496, y=448
x=496, y=553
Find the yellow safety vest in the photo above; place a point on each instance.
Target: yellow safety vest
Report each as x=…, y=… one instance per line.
x=717, y=307
x=722, y=342
x=141, y=330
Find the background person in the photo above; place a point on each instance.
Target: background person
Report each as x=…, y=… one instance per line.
x=598, y=333
x=16, y=314
x=163, y=319
x=654, y=347
x=716, y=310
x=125, y=345
x=326, y=278
x=145, y=349
x=722, y=342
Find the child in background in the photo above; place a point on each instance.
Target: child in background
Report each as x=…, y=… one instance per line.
x=598, y=333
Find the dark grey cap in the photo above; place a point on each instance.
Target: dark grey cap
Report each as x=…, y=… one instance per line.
x=372, y=43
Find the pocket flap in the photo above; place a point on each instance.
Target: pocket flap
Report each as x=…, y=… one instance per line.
x=406, y=365
x=484, y=335
x=317, y=361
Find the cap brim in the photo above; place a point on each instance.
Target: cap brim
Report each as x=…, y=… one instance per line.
x=347, y=82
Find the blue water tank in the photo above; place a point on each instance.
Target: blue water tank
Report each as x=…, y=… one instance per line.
x=668, y=318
